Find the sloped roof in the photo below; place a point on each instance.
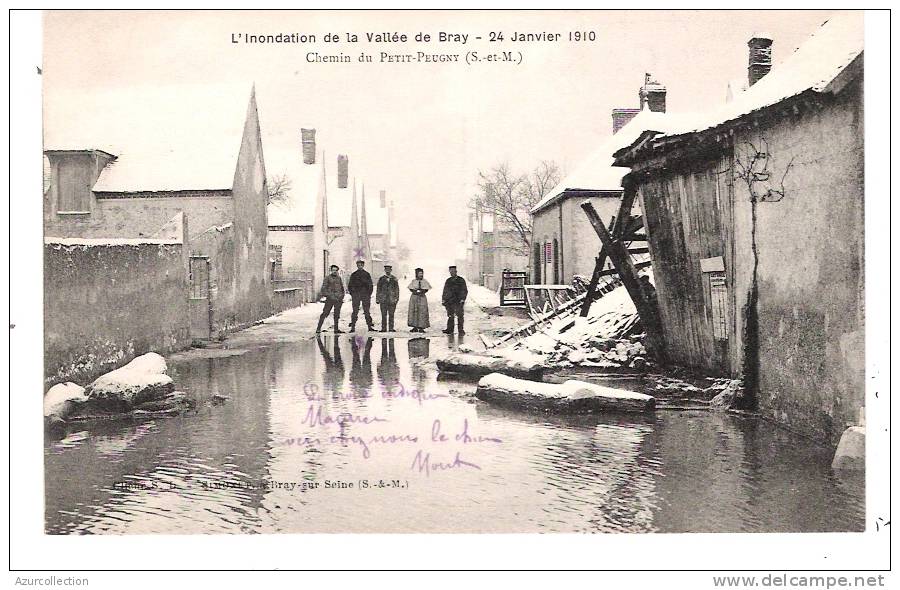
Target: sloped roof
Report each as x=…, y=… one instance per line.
x=816, y=66
x=596, y=172
x=165, y=138
x=299, y=206
x=376, y=217
x=340, y=200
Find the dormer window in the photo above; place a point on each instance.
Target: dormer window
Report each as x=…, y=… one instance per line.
x=72, y=177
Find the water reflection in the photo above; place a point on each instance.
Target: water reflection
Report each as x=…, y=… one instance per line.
x=254, y=463
x=333, y=375
x=418, y=347
x=361, y=369
x=388, y=370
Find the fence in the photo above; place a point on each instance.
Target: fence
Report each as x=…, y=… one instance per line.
x=292, y=290
x=512, y=288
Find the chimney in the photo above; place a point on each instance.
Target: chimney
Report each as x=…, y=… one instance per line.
x=382, y=198
x=308, y=137
x=621, y=117
x=343, y=168
x=653, y=95
x=760, y=59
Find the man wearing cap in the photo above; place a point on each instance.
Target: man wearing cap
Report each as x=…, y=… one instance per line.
x=333, y=292
x=454, y=300
x=360, y=288
x=387, y=294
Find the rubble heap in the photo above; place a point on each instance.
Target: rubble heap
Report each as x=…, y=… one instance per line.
x=609, y=337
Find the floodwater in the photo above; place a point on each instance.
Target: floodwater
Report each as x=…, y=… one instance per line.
x=357, y=435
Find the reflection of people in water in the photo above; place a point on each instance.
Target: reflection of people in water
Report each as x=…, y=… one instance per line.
x=388, y=371
x=361, y=370
x=333, y=376
x=418, y=348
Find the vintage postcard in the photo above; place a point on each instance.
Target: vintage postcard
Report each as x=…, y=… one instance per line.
x=454, y=272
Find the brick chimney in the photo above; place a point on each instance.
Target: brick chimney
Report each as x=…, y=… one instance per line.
x=308, y=138
x=621, y=117
x=653, y=95
x=760, y=58
x=343, y=168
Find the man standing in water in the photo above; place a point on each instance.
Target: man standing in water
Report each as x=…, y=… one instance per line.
x=360, y=288
x=333, y=292
x=454, y=300
x=387, y=294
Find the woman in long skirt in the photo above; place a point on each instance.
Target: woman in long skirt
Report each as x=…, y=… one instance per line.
x=418, y=305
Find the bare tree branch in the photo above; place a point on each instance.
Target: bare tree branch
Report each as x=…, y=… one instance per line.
x=509, y=197
x=278, y=188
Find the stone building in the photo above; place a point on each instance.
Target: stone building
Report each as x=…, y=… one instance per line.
x=130, y=182
x=755, y=221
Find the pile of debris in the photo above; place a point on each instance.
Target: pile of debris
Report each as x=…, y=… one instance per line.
x=610, y=337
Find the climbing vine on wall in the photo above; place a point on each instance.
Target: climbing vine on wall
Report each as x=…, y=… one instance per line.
x=752, y=163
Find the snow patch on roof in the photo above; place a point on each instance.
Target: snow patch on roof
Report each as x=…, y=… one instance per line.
x=376, y=217
x=814, y=66
x=596, y=172
x=165, y=138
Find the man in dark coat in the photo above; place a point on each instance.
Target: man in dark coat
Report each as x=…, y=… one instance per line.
x=387, y=294
x=333, y=292
x=360, y=288
x=454, y=300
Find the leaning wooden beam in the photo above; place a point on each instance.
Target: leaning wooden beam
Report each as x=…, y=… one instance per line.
x=622, y=224
x=599, y=262
x=641, y=294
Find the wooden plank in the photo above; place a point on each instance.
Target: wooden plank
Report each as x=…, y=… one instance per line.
x=643, y=299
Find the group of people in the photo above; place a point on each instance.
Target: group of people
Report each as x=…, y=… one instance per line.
x=387, y=294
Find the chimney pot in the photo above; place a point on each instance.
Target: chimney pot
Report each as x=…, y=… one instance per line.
x=653, y=95
x=343, y=169
x=308, y=139
x=760, y=57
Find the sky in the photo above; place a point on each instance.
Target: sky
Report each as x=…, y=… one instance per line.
x=420, y=131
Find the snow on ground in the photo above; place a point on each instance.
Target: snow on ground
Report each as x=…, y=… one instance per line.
x=483, y=297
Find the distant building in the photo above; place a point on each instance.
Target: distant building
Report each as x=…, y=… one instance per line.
x=214, y=175
x=500, y=248
x=563, y=243
x=292, y=219
x=755, y=222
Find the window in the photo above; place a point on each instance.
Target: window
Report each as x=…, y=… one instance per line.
x=555, y=261
x=74, y=180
